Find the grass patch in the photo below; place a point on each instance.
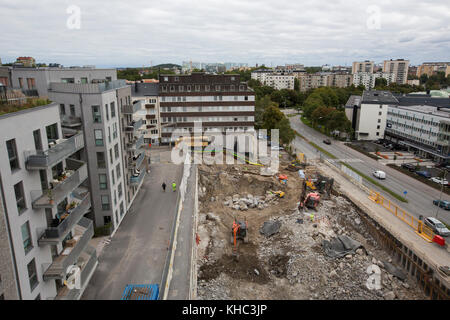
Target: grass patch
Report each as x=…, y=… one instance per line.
x=30, y=103
x=292, y=115
x=420, y=178
x=356, y=148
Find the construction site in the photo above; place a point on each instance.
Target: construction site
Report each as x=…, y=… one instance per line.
x=289, y=235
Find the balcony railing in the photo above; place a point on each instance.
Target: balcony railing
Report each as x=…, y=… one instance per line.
x=54, y=235
x=136, y=163
x=135, y=181
x=86, y=262
x=50, y=198
x=136, y=143
x=39, y=159
x=70, y=121
x=82, y=233
x=131, y=108
x=134, y=125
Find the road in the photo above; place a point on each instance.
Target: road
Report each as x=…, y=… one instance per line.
x=419, y=195
x=137, y=252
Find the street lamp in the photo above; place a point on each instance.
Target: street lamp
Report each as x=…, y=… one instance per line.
x=440, y=195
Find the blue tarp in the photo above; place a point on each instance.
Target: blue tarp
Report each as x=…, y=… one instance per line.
x=141, y=292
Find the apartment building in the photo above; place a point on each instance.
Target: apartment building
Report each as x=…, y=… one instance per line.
x=25, y=61
x=115, y=161
x=431, y=68
x=261, y=74
x=221, y=102
x=399, y=68
x=339, y=80
x=368, y=113
x=45, y=198
x=422, y=123
x=35, y=81
x=368, y=79
x=147, y=96
x=364, y=66
x=5, y=76
x=309, y=81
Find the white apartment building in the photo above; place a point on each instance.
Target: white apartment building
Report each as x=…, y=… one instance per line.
x=368, y=79
x=422, y=126
x=261, y=74
x=368, y=113
x=279, y=81
x=115, y=160
x=45, y=196
x=398, y=67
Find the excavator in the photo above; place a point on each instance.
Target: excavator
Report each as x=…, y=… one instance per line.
x=239, y=231
x=310, y=200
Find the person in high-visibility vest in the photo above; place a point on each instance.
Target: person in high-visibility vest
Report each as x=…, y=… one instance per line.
x=174, y=186
x=312, y=217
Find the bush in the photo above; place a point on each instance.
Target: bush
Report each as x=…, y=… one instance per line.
x=103, y=230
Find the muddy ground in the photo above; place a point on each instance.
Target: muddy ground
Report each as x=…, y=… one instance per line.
x=290, y=264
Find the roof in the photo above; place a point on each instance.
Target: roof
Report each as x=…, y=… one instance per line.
x=145, y=89
x=378, y=96
x=141, y=292
x=352, y=101
x=423, y=100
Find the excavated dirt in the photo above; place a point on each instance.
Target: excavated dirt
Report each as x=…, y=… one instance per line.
x=290, y=264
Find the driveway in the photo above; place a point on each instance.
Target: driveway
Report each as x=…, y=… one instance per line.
x=137, y=252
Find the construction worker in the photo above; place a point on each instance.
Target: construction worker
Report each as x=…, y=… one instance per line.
x=164, y=186
x=174, y=186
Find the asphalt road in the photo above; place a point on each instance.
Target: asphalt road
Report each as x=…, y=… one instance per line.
x=419, y=195
x=137, y=252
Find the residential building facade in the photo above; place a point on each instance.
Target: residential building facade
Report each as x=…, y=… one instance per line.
x=309, y=81
x=339, y=80
x=45, y=197
x=368, y=79
x=364, y=66
x=399, y=68
x=431, y=68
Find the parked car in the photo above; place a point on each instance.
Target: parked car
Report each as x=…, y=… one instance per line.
x=327, y=141
x=440, y=181
x=409, y=166
x=442, y=165
x=437, y=226
x=442, y=203
x=425, y=174
x=379, y=174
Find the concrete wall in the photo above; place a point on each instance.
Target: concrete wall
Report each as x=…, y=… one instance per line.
x=370, y=119
x=28, y=121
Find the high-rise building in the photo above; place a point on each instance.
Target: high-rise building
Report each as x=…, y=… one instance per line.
x=431, y=68
x=398, y=67
x=339, y=80
x=221, y=102
x=364, y=66
x=45, y=200
x=309, y=81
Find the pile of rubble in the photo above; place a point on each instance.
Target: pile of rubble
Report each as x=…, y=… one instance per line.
x=236, y=202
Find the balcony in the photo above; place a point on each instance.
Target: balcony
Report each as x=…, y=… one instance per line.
x=134, y=125
x=72, y=250
x=70, y=121
x=38, y=159
x=135, y=181
x=131, y=108
x=86, y=262
x=136, y=163
x=136, y=143
x=55, y=234
x=75, y=174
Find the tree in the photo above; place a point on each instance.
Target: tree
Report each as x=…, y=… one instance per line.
x=296, y=84
x=380, y=82
x=260, y=107
x=271, y=116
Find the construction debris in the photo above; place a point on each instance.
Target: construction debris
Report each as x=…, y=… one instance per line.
x=340, y=246
x=270, y=228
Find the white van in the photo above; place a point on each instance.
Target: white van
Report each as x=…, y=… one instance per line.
x=379, y=174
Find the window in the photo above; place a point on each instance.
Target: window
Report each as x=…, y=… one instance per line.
x=32, y=275
x=26, y=237
x=378, y=133
x=197, y=87
x=378, y=127
x=114, y=130
x=119, y=190
x=108, y=78
x=189, y=88
x=84, y=80
x=217, y=88
x=166, y=79
x=121, y=209
x=180, y=88
x=101, y=163
x=118, y=171
x=113, y=109
x=62, y=109
x=105, y=202
x=379, y=120
x=12, y=154
x=96, y=116
x=246, y=98
x=176, y=79
x=106, y=111
x=109, y=134
x=111, y=156
x=115, y=197
x=113, y=177
x=98, y=137
x=20, y=198
x=72, y=110
x=116, y=151
x=379, y=113
x=103, y=181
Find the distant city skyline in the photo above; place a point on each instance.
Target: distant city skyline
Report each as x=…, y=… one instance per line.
x=133, y=33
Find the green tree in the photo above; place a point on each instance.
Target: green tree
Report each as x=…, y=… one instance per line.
x=380, y=82
x=296, y=84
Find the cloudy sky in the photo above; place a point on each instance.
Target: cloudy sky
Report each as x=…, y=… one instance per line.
x=139, y=32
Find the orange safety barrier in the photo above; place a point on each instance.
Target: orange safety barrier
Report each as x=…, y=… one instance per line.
x=422, y=230
x=398, y=153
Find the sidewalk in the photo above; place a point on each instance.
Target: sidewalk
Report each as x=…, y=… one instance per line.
x=430, y=252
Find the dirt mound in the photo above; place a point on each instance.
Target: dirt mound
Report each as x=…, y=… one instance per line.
x=278, y=265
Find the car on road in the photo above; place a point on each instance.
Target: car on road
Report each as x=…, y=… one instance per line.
x=278, y=148
x=327, y=141
x=442, y=204
x=409, y=166
x=437, y=226
x=379, y=174
x=440, y=181
x=425, y=174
